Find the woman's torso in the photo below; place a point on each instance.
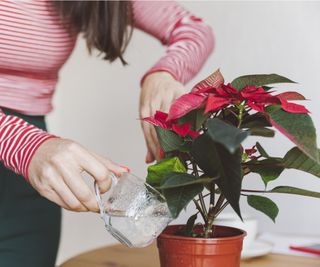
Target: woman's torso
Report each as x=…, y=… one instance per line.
x=34, y=44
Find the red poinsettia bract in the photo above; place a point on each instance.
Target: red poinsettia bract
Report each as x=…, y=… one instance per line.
x=216, y=98
x=160, y=119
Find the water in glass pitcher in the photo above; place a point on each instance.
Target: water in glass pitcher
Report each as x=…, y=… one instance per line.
x=142, y=228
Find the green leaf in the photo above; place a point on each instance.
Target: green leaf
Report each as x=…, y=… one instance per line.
x=179, y=197
x=255, y=120
x=169, y=140
x=186, y=146
x=257, y=124
x=229, y=136
x=229, y=115
x=261, y=150
x=261, y=131
x=267, y=88
x=175, y=179
x=296, y=159
x=216, y=161
x=294, y=191
x=298, y=128
x=157, y=172
x=265, y=205
x=273, y=108
x=258, y=80
x=196, y=117
x=269, y=169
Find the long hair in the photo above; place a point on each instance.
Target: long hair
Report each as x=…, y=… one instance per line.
x=106, y=25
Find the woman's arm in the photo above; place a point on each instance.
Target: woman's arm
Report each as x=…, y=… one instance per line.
x=18, y=142
x=190, y=41
x=53, y=167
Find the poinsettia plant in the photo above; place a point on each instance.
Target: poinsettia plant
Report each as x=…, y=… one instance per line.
x=203, y=157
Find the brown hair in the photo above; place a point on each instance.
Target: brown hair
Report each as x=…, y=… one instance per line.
x=106, y=24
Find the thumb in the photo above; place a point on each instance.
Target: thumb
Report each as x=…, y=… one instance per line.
x=149, y=157
x=115, y=168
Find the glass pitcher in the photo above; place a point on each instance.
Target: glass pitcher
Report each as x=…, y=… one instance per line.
x=134, y=212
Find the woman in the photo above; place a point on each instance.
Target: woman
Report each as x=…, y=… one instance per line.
x=36, y=38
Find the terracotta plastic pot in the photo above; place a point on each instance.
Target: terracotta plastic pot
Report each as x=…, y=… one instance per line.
x=221, y=251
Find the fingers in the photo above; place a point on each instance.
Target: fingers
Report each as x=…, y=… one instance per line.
x=155, y=143
x=95, y=168
x=55, y=172
x=66, y=195
x=151, y=147
x=81, y=192
x=54, y=197
x=72, y=189
x=149, y=157
x=52, y=186
x=166, y=103
x=148, y=109
x=116, y=169
x=158, y=92
x=155, y=147
x=101, y=169
x=149, y=130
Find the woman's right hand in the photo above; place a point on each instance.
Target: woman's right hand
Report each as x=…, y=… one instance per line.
x=55, y=172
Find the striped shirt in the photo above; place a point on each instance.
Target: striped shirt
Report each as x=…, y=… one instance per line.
x=34, y=45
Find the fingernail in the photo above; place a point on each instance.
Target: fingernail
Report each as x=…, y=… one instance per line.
x=161, y=153
x=125, y=167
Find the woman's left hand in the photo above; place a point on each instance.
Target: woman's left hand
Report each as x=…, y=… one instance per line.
x=158, y=91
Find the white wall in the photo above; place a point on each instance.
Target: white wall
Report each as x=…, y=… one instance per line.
x=96, y=103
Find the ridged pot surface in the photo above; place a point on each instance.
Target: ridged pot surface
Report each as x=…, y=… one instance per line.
x=224, y=250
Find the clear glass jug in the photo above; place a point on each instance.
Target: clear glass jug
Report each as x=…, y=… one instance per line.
x=134, y=212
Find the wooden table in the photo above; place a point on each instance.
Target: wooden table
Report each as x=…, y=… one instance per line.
x=120, y=256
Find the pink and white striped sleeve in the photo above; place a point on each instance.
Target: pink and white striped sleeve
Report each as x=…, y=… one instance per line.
x=18, y=142
x=190, y=41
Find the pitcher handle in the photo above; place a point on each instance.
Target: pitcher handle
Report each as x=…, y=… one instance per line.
x=114, y=180
x=104, y=216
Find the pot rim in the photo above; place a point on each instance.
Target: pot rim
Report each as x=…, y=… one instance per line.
x=202, y=239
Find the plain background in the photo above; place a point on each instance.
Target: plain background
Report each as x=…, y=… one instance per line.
x=96, y=102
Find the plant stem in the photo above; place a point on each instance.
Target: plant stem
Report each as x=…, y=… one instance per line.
x=195, y=169
x=215, y=114
x=218, y=204
x=203, y=205
x=208, y=194
x=246, y=171
x=222, y=208
x=233, y=113
x=211, y=216
x=240, y=116
x=212, y=196
x=223, y=114
x=199, y=209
